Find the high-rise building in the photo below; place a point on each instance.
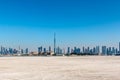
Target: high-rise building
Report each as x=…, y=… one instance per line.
x=1, y=50
x=78, y=51
x=50, y=49
x=72, y=51
x=58, y=51
x=15, y=51
x=22, y=51
x=113, y=51
x=83, y=50
x=75, y=50
x=119, y=47
x=26, y=51
x=40, y=49
x=45, y=50
x=88, y=50
x=94, y=49
x=54, y=43
x=91, y=51
x=68, y=51
x=97, y=50
x=109, y=51
x=116, y=51
x=10, y=50
x=104, y=50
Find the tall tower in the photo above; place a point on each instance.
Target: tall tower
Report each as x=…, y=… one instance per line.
x=119, y=47
x=54, y=43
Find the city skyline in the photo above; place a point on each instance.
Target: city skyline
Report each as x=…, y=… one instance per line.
x=76, y=23
x=50, y=48
x=58, y=51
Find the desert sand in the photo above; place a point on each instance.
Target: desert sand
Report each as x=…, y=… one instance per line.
x=60, y=68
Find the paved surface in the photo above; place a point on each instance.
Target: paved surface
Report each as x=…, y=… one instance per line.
x=60, y=68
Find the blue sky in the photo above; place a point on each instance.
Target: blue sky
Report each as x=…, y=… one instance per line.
x=32, y=23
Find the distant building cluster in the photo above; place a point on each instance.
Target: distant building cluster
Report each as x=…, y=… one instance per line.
x=57, y=51
x=103, y=51
x=110, y=50
x=84, y=51
x=13, y=52
x=44, y=51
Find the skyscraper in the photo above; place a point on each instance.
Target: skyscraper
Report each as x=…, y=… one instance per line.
x=50, y=49
x=68, y=51
x=40, y=49
x=113, y=51
x=97, y=50
x=119, y=47
x=88, y=50
x=54, y=43
x=26, y=51
x=109, y=51
x=75, y=50
x=45, y=50
x=104, y=50
x=116, y=50
x=83, y=50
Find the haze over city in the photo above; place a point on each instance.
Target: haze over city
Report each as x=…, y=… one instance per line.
x=76, y=23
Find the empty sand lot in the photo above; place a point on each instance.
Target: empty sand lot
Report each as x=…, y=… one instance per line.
x=60, y=68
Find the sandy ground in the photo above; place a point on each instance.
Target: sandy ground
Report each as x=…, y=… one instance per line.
x=60, y=68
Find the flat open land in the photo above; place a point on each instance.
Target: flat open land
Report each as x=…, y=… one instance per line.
x=60, y=68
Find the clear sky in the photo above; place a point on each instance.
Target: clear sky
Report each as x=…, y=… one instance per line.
x=32, y=23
